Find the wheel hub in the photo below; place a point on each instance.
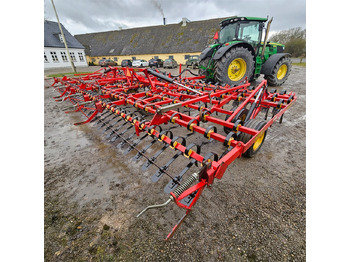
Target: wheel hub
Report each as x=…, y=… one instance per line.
x=282, y=71
x=237, y=69
x=259, y=141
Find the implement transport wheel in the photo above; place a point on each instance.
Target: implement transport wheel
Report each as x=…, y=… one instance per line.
x=280, y=72
x=234, y=66
x=257, y=125
x=240, y=116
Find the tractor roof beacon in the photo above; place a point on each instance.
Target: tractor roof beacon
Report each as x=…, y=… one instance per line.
x=240, y=52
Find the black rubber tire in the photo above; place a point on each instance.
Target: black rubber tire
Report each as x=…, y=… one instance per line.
x=205, y=63
x=272, y=79
x=240, y=116
x=223, y=63
x=257, y=125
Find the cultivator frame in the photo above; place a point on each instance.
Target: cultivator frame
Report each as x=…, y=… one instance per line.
x=149, y=100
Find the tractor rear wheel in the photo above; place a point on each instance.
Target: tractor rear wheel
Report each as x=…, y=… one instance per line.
x=234, y=66
x=257, y=125
x=280, y=72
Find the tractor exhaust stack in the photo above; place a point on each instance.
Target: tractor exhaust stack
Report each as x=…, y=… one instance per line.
x=266, y=36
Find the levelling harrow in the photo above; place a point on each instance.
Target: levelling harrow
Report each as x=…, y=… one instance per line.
x=182, y=116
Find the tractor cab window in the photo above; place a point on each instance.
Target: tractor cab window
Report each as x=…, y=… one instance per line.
x=228, y=33
x=249, y=32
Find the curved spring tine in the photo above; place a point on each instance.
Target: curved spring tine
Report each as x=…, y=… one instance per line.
x=146, y=165
x=133, y=145
x=160, y=172
x=172, y=185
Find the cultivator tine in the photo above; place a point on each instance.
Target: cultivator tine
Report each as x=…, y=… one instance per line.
x=266, y=113
x=119, y=135
x=76, y=105
x=177, y=225
x=106, y=121
x=60, y=90
x=88, y=120
x=120, y=93
x=108, y=113
x=139, y=154
x=161, y=170
x=114, y=131
x=100, y=120
x=110, y=126
x=66, y=97
x=172, y=184
x=133, y=145
x=121, y=144
x=281, y=119
x=146, y=165
x=103, y=124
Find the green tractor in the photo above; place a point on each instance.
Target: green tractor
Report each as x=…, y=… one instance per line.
x=240, y=53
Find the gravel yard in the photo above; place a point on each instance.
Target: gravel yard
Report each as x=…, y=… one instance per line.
x=256, y=212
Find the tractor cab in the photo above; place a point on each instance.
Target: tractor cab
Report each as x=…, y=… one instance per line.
x=247, y=29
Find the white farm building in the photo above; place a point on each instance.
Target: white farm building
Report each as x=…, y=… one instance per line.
x=55, y=54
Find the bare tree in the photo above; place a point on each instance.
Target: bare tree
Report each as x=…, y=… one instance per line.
x=294, y=39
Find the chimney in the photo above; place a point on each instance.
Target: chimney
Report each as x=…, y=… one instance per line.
x=164, y=21
x=185, y=21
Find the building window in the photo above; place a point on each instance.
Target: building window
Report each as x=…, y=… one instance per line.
x=64, y=57
x=81, y=57
x=54, y=57
x=115, y=59
x=187, y=57
x=61, y=38
x=72, y=55
x=45, y=58
x=156, y=57
x=171, y=57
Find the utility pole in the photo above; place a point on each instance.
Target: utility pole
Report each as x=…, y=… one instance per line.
x=64, y=38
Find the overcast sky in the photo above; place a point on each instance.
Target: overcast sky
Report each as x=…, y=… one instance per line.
x=88, y=16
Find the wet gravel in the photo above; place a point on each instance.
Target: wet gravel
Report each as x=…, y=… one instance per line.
x=93, y=193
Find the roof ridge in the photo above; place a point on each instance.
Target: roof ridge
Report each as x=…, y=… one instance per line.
x=153, y=26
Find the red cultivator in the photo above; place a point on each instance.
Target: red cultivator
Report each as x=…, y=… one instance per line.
x=176, y=113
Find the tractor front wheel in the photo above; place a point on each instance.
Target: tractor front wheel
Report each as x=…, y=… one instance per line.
x=280, y=72
x=234, y=66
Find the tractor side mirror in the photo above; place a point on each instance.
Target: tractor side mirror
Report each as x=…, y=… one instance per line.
x=216, y=36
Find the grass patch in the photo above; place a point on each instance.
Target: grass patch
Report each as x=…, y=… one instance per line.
x=66, y=74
